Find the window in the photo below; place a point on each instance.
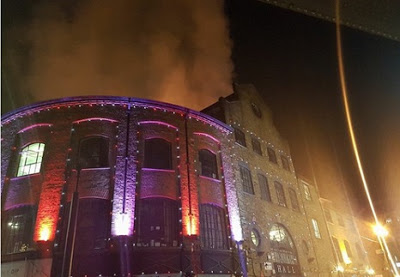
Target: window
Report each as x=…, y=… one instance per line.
x=255, y=237
x=256, y=110
x=272, y=155
x=337, y=249
x=30, y=159
x=307, y=192
x=157, y=154
x=283, y=249
x=328, y=215
x=305, y=247
x=93, y=152
x=208, y=162
x=348, y=249
x=158, y=222
x=285, y=163
x=280, y=194
x=213, y=234
x=264, y=188
x=316, y=228
x=92, y=224
x=293, y=200
x=256, y=146
x=240, y=137
x=246, y=180
x=17, y=230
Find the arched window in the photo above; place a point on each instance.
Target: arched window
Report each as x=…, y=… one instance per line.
x=158, y=222
x=30, y=159
x=293, y=199
x=93, y=152
x=280, y=194
x=348, y=248
x=213, y=234
x=283, y=250
x=17, y=229
x=157, y=153
x=208, y=162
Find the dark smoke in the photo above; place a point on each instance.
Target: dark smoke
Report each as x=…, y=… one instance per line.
x=173, y=51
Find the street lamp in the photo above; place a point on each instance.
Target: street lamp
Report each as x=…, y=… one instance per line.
x=380, y=231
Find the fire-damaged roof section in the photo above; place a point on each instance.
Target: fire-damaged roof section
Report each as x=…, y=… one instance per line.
x=379, y=17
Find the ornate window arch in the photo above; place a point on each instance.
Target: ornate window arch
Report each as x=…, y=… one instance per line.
x=283, y=249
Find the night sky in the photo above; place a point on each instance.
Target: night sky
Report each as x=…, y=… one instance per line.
x=289, y=57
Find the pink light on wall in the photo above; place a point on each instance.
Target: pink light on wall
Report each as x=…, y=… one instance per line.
x=207, y=135
x=123, y=225
x=95, y=119
x=158, y=123
x=35, y=126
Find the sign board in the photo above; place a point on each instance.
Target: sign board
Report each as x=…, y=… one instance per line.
x=287, y=269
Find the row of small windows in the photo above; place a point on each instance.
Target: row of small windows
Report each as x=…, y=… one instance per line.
x=241, y=139
x=94, y=151
x=247, y=184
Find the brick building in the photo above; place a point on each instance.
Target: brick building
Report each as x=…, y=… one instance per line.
x=114, y=186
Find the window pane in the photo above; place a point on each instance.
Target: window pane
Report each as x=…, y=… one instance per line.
x=157, y=154
x=208, y=163
x=256, y=146
x=316, y=228
x=246, y=180
x=213, y=232
x=30, y=159
x=272, y=155
x=240, y=137
x=293, y=200
x=285, y=163
x=348, y=248
x=337, y=249
x=280, y=194
x=307, y=192
x=93, y=152
x=17, y=230
x=158, y=222
x=264, y=187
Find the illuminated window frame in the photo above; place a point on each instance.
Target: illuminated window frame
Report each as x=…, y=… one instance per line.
x=317, y=233
x=30, y=159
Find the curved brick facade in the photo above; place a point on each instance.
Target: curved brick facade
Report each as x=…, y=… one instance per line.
x=126, y=123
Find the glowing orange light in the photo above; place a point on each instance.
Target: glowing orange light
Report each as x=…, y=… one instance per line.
x=44, y=233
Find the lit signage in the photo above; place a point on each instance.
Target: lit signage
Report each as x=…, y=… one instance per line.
x=290, y=269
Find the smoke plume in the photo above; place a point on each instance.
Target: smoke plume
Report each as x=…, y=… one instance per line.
x=173, y=51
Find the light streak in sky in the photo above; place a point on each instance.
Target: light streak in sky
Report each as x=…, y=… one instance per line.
x=351, y=131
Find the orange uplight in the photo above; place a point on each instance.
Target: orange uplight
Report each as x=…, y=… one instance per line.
x=44, y=233
x=191, y=225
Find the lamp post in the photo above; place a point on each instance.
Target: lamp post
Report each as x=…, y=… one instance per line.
x=381, y=233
